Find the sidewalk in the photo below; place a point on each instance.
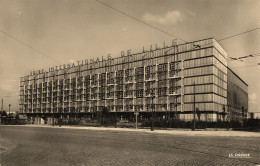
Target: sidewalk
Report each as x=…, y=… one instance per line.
x=229, y=133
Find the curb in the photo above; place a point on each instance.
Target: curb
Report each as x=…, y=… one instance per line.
x=187, y=132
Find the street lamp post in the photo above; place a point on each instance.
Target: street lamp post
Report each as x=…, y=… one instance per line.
x=152, y=125
x=151, y=60
x=9, y=109
x=194, y=109
x=9, y=114
x=115, y=120
x=136, y=119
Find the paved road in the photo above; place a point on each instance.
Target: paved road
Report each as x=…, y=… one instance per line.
x=58, y=146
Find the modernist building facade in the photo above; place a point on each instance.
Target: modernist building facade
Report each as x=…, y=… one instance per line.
x=163, y=80
x=237, y=94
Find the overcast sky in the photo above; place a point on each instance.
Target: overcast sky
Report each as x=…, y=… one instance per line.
x=72, y=30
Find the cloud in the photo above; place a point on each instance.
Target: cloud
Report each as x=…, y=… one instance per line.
x=191, y=13
x=252, y=98
x=171, y=17
x=72, y=61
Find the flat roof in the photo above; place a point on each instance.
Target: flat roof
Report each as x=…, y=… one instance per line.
x=237, y=76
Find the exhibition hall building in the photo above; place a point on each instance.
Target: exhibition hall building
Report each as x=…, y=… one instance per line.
x=174, y=81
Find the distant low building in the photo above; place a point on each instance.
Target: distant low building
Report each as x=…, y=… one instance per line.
x=254, y=115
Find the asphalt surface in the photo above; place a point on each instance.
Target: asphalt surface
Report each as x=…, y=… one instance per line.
x=20, y=145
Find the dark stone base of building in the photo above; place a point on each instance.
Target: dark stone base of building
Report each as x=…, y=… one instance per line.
x=127, y=117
